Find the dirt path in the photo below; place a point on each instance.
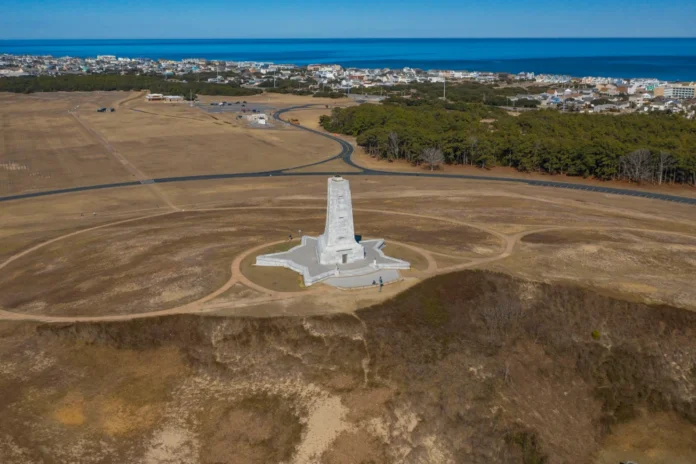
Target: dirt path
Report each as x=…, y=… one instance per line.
x=199, y=306
x=123, y=102
x=509, y=243
x=72, y=234
x=138, y=174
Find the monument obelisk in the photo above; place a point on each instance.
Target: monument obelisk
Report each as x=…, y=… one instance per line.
x=335, y=257
x=337, y=245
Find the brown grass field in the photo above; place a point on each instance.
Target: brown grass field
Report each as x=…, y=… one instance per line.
x=45, y=147
x=135, y=328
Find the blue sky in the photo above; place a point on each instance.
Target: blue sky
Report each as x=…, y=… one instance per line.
x=64, y=19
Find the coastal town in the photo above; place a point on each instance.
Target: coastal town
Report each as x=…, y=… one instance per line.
x=566, y=93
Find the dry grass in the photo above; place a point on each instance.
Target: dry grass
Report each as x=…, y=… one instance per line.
x=421, y=375
x=431, y=376
x=417, y=260
x=156, y=264
x=167, y=261
x=309, y=117
x=176, y=140
x=145, y=265
x=651, y=267
x=652, y=439
x=42, y=147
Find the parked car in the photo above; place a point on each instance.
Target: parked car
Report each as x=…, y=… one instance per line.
x=101, y=110
x=111, y=110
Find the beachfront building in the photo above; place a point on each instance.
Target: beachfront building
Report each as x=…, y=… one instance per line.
x=681, y=91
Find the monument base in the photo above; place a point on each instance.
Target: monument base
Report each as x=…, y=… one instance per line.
x=304, y=259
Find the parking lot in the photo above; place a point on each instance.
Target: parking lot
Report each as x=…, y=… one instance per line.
x=234, y=106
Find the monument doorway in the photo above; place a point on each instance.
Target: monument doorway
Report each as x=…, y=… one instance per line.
x=345, y=258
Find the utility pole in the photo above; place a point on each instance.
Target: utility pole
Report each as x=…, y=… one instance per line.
x=444, y=88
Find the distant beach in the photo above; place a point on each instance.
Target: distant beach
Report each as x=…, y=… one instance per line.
x=662, y=58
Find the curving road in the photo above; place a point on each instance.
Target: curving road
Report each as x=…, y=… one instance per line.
x=345, y=155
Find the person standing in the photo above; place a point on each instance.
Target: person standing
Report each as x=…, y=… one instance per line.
x=381, y=284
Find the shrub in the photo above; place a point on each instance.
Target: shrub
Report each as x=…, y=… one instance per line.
x=530, y=447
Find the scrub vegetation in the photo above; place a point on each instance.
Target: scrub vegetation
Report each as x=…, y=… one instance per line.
x=88, y=83
x=655, y=148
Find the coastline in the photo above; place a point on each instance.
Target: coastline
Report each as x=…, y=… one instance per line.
x=672, y=59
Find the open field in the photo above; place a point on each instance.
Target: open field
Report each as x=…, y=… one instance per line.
x=168, y=260
x=44, y=147
x=135, y=328
x=309, y=117
x=175, y=140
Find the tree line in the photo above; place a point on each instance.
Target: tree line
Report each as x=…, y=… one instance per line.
x=127, y=82
x=428, y=93
x=418, y=94
x=637, y=147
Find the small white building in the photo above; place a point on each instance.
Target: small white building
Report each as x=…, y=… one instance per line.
x=160, y=97
x=259, y=118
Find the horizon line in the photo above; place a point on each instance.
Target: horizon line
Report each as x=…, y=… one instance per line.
x=360, y=38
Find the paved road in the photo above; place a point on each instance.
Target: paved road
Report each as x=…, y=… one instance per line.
x=345, y=154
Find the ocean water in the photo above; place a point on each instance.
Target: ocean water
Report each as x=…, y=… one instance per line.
x=664, y=58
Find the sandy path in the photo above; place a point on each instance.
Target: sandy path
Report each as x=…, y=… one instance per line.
x=139, y=175
x=509, y=243
x=121, y=103
x=199, y=305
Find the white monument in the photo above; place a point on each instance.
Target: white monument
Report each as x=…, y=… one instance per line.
x=337, y=245
x=336, y=257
